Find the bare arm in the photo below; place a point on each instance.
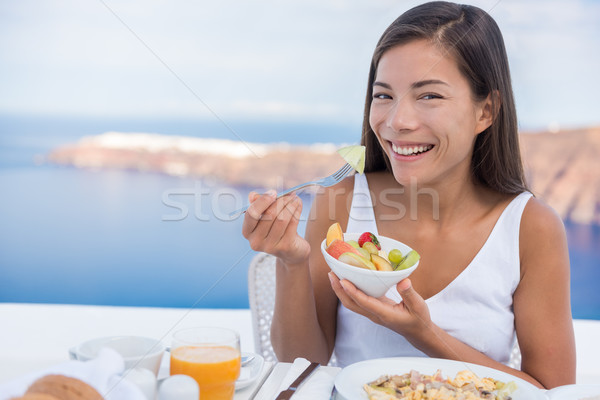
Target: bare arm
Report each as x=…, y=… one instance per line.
x=542, y=301
x=305, y=305
x=541, y=306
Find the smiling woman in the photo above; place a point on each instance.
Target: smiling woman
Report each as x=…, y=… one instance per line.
x=432, y=98
x=441, y=139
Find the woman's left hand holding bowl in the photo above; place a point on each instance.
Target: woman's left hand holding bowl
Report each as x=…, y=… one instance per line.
x=409, y=318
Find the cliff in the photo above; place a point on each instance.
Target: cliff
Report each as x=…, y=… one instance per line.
x=563, y=169
x=275, y=165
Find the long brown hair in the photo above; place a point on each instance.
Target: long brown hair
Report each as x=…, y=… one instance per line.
x=472, y=37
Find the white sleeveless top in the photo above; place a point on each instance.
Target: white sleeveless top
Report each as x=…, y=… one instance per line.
x=476, y=307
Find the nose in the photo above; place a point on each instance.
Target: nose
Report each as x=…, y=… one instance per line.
x=402, y=115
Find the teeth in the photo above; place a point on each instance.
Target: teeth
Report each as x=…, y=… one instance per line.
x=408, y=151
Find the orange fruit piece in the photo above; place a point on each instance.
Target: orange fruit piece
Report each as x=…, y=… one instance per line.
x=334, y=232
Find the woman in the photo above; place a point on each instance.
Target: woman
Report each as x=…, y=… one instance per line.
x=443, y=175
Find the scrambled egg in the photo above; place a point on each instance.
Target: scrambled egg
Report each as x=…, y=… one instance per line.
x=414, y=386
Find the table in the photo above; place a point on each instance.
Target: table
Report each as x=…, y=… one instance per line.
x=274, y=374
x=36, y=336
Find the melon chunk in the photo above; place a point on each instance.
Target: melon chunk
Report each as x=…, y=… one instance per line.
x=355, y=156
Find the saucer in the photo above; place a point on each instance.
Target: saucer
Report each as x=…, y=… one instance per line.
x=250, y=372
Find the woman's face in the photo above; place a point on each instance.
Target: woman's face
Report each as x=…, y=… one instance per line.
x=424, y=115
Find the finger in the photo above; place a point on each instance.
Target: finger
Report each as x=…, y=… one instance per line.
x=261, y=203
x=282, y=220
x=291, y=231
x=367, y=303
x=256, y=210
x=293, y=225
x=287, y=207
x=269, y=219
x=342, y=289
x=340, y=292
x=252, y=196
x=409, y=296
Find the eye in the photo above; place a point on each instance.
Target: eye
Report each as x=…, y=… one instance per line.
x=431, y=96
x=381, y=96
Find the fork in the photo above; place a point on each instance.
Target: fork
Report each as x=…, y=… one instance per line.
x=330, y=180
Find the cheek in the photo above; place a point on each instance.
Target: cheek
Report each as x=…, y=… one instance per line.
x=372, y=120
x=457, y=125
x=376, y=117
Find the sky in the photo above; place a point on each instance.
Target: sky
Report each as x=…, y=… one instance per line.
x=266, y=59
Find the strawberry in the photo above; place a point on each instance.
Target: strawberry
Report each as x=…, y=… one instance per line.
x=369, y=237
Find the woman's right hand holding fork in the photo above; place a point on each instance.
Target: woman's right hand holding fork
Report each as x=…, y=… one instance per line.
x=271, y=226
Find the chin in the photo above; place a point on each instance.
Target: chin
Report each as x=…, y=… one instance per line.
x=405, y=179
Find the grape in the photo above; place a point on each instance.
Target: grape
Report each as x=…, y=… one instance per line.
x=395, y=256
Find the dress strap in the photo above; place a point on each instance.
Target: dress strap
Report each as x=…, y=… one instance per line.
x=362, y=216
x=508, y=227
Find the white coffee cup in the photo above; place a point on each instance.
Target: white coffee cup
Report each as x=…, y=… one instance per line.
x=137, y=351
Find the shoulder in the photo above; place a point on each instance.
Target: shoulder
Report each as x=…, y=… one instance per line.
x=542, y=235
x=539, y=219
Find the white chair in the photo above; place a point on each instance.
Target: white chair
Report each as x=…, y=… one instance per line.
x=261, y=293
x=515, y=357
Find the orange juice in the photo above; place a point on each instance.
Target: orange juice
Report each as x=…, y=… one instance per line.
x=214, y=368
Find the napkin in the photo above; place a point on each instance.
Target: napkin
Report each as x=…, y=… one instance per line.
x=103, y=373
x=317, y=386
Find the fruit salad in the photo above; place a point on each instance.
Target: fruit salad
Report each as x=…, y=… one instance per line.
x=366, y=252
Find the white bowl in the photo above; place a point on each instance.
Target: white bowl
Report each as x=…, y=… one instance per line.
x=137, y=351
x=373, y=283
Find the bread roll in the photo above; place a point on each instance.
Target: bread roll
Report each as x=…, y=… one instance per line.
x=63, y=388
x=36, y=396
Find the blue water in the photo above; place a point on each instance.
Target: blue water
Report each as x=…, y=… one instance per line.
x=107, y=237
x=85, y=237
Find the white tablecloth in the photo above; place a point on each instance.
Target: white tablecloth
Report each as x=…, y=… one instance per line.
x=36, y=336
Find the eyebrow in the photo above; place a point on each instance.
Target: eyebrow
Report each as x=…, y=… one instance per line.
x=415, y=85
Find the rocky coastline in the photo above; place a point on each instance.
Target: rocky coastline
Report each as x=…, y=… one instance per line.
x=563, y=169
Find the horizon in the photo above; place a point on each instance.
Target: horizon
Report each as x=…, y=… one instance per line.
x=5, y=120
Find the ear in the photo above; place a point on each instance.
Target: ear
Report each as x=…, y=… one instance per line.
x=487, y=111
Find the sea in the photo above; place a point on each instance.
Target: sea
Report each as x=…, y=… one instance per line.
x=119, y=237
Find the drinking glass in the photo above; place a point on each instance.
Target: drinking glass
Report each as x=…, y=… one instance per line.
x=209, y=355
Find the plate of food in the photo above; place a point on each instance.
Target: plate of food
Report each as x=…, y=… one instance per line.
x=384, y=378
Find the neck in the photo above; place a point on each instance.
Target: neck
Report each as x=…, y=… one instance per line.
x=444, y=201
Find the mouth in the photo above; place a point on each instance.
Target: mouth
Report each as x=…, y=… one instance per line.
x=413, y=149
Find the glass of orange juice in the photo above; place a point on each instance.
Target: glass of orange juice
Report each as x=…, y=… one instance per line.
x=209, y=355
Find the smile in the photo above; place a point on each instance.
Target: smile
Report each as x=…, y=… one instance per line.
x=411, y=150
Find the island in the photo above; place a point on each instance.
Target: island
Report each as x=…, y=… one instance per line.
x=562, y=168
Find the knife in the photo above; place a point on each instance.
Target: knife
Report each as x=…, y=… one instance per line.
x=289, y=392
